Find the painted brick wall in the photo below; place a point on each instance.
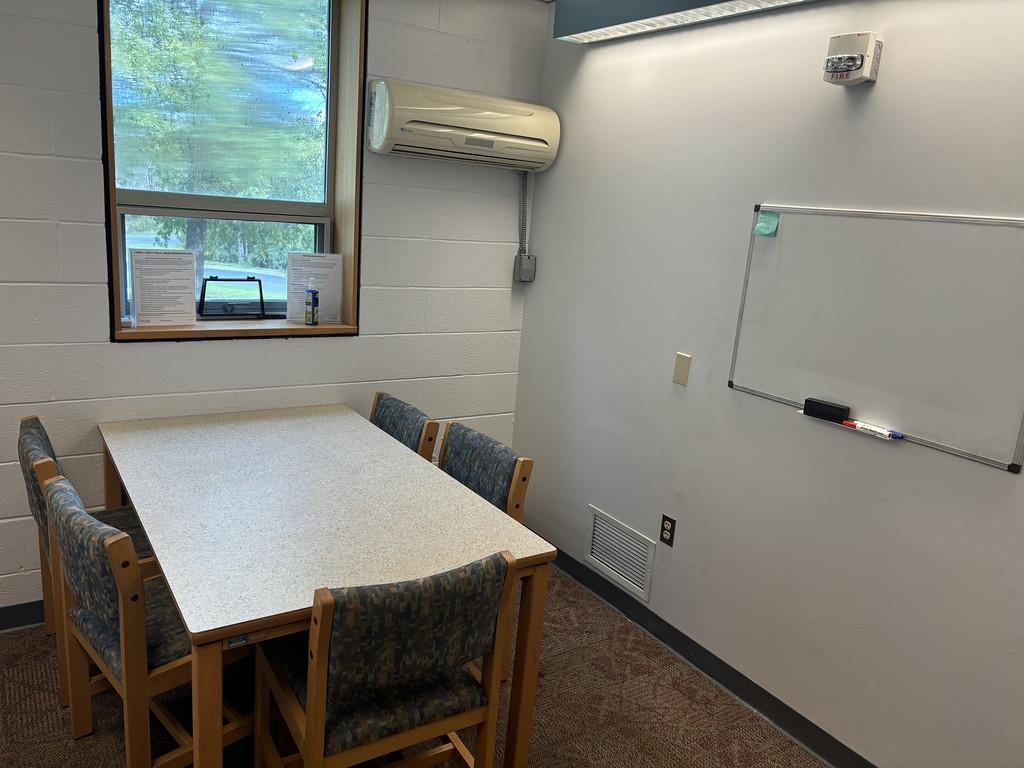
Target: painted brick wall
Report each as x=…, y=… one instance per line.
x=440, y=318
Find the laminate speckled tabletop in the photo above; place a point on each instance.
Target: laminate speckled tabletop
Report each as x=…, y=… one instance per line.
x=249, y=513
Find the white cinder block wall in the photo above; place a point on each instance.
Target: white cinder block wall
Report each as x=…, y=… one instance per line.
x=440, y=319
x=877, y=592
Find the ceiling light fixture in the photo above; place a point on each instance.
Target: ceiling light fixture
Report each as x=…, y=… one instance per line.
x=594, y=21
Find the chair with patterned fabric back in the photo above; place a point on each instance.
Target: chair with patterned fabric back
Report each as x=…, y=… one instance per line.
x=487, y=467
x=384, y=668
x=125, y=625
x=39, y=462
x=406, y=423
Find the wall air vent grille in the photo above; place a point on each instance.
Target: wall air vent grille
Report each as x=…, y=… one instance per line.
x=624, y=555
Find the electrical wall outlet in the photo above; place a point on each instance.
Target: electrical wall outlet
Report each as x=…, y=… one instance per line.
x=682, y=374
x=668, y=530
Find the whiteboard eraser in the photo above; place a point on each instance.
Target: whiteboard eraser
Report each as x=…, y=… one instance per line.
x=822, y=409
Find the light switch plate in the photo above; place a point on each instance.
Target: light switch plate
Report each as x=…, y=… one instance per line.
x=682, y=374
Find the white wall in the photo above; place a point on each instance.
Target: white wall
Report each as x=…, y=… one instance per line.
x=880, y=597
x=440, y=319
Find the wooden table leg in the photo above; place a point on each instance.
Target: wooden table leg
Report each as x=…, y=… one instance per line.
x=207, y=706
x=112, y=492
x=524, y=674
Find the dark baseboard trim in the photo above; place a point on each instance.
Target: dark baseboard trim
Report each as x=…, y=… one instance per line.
x=782, y=715
x=21, y=615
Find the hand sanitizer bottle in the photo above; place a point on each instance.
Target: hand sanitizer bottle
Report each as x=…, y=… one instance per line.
x=312, y=303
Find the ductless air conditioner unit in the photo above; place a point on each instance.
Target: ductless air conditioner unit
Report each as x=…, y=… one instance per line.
x=444, y=123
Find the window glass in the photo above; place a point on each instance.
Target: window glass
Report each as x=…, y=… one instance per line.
x=221, y=97
x=226, y=248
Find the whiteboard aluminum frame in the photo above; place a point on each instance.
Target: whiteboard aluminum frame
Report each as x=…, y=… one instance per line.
x=995, y=221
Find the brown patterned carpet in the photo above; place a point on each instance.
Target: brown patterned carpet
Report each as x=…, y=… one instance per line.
x=609, y=696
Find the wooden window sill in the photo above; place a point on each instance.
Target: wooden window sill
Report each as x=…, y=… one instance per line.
x=233, y=329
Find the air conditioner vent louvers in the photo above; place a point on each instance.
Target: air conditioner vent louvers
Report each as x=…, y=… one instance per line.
x=498, y=162
x=625, y=555
x=531, y=142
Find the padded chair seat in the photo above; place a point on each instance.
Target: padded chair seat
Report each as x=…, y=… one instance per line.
x=166, y=637
x=127, y=520
x=377, y=713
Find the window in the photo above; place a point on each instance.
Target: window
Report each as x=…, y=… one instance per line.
x=232, y=129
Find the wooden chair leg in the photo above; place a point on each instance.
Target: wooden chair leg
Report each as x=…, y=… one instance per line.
x=486, y=736
x=61, y=635
x=523, y=694
x=486, y=732
x=79, y=693
x=49, y=615
x=494, y=670
x=136, y=729
x=261, y=717
x=58, y=602
x=134, y=666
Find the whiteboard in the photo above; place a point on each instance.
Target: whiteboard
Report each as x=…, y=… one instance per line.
x=913, y=320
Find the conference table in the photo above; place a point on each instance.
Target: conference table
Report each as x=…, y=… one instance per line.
x=250, y=512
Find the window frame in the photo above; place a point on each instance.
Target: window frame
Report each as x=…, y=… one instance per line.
x=276, y=309
x=337, y=219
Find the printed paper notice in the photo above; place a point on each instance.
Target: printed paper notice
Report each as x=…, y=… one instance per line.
x=163, y=287
x=325, y=269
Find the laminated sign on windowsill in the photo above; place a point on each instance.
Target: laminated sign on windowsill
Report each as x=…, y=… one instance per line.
x=325, y=270
x=163, y=287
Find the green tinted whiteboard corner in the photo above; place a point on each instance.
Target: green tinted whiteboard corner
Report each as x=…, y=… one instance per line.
x=911, y=319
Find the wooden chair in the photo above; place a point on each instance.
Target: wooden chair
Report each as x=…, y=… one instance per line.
x=125, y=625
x=489, y=468
x=38, y=463
x=383, y=669
x=406, y=423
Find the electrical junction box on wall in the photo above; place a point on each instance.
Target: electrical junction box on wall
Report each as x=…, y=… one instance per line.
x=853, y=59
